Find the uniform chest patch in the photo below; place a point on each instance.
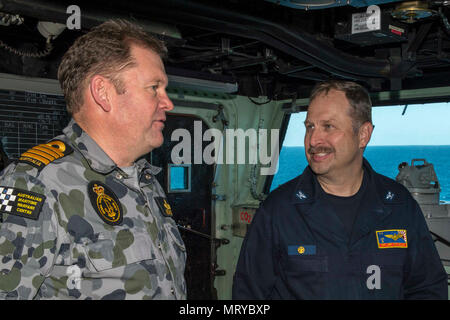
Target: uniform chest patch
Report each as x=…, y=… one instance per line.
x=105, y=203
x=41, y=155
x=164, y=206
x=20, y=202
x=395, y=238
x=300, y=250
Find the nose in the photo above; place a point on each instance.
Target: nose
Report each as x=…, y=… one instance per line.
x=314, y=137
x=165, y=102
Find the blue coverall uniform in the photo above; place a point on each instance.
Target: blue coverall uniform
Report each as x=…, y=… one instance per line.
x=297, y=248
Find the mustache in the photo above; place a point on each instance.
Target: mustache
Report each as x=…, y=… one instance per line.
x=321, y=149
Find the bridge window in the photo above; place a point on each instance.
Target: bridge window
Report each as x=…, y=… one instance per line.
x=401, y=134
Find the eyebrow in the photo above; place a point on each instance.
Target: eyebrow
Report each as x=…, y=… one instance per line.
x=153, y=81
x=320, y=121
x=158, y=82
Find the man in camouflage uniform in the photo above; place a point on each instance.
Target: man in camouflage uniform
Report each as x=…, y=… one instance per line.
x=83, y=216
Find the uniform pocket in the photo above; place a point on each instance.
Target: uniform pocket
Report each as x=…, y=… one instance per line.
x=306, y=276
x=307, y=264
x=393, y=260
x=390, y=259
x=383, y=273
x=112, y=250
x=174, y=234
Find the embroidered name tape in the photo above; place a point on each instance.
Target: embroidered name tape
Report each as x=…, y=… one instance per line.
x=20, y=202
x=395, y=238
x=300, y=250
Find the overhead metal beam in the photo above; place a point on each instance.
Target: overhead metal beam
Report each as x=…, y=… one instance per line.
x=180, y=12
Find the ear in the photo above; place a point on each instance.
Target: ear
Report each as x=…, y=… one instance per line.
x=99, y=87
x=365, y=133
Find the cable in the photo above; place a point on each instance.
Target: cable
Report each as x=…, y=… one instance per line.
x=261, y=92
x=38, y=54
x=259, y=103
x=444, y=20
x=441, y=239
x=7, y=19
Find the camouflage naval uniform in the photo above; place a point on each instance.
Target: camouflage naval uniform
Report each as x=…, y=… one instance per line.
x=69, y=252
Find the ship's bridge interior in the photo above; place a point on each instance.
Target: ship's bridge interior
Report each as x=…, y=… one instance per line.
x=232, y=64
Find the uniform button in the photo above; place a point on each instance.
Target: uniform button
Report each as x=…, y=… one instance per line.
x=148, y=177
x=172, y=291
x=119, y=175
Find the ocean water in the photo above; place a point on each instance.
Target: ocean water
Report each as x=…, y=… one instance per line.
x=384, y=160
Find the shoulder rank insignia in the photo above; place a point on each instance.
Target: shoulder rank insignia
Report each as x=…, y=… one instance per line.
x=20, y=202
x=392, y=239
x=105, y=203
x=41, y=155
x=164, y=206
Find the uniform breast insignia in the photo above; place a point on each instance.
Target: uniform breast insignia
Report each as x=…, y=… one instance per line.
x=301, y=196
x=300, y=250
x=389, y=196
x=164, y=206
x=41, y=155
x=105, y=203
x=392, y=239
x=20, y=202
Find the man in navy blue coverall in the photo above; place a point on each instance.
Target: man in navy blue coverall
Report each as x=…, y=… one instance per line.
x=339, y=230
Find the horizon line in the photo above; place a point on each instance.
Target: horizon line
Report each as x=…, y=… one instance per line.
x=391, y=145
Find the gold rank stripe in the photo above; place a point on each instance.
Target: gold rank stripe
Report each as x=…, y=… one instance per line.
x=50, y=150
x=30, y=160
x=35, y=157
x=43, y=154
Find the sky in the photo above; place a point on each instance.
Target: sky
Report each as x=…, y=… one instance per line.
x=422, y=124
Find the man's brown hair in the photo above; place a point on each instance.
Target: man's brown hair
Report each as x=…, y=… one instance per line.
x=105, y=50
x=360, y=104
